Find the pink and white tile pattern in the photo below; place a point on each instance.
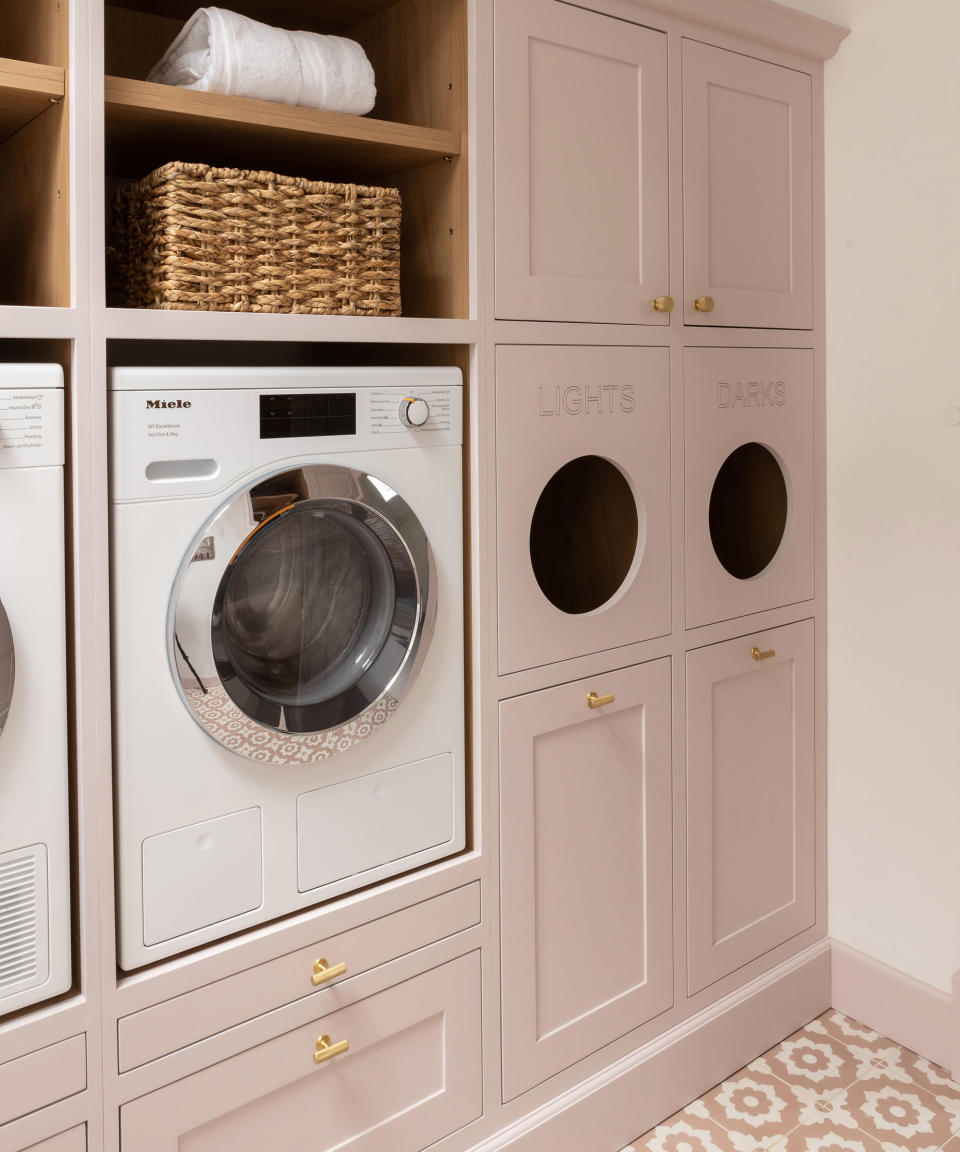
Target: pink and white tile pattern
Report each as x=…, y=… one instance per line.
x=834, y=1086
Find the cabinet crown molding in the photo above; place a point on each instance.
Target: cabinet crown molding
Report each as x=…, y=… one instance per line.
x=764, y=21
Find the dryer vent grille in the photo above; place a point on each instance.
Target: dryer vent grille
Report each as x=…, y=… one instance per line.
x=22, y=918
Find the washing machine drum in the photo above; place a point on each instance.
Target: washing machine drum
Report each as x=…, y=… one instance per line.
x=302, y=614
x=7, y=667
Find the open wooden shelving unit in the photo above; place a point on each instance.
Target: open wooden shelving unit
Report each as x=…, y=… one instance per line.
x=27, y=90
x=146, y=122
x=413, y=140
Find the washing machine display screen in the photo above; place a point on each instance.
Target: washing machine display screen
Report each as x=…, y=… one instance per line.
x=319, y=414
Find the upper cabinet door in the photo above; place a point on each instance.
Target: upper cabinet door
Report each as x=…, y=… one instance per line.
x=747, y=191
x=581, y=212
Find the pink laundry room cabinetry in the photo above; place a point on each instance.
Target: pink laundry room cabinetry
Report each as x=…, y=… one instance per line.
x=750, y=798
x=583, y=500
x=749, y=483
x=639, y=908
x=747, y=191
x=586, y=867
x=581, y=165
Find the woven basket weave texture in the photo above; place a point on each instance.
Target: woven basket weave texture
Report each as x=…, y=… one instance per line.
x=189, y=236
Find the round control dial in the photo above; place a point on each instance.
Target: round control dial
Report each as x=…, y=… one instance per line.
x=414, y=412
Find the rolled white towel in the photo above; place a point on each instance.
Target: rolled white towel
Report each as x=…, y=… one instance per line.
x=222, y=51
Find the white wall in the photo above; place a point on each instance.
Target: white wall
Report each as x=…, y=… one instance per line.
x=893, y=371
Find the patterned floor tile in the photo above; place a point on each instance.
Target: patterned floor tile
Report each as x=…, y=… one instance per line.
x=753, y=1103
x=690, y=1131
x=813, y=1057
x=901, y=1116
x=804, y=1139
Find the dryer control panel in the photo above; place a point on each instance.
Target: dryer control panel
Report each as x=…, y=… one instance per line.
x=31, y=426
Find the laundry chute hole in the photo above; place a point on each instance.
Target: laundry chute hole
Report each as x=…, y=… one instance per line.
x=748, y=510
x=584, y=534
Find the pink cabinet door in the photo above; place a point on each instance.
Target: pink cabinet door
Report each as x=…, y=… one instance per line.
x=581, y=165
x=747, y=190
x=751, y=859
x=410, y=1077
x=583, y=501
x=749, y=476
x=586, y=872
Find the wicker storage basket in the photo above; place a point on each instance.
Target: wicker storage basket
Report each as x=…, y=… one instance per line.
x=218, y=239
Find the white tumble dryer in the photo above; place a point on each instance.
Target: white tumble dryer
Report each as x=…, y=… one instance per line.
x=34, y=802
x=288, y=640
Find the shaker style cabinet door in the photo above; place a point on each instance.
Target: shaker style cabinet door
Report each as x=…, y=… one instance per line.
x=581, y=165
x=747, y=191
x=586, y=874
x=751, y=854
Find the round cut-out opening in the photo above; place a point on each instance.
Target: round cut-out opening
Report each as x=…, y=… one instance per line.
x=584, y=534
x=748, y=510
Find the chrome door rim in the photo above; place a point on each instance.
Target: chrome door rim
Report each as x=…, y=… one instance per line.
x=347, y=492
x=7, y=658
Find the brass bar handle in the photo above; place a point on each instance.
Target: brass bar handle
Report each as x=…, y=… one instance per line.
x=664, y=304
x=595, y=701
x=326, y=1050
x=704, y=304
x=322, y=971
x=758, y=655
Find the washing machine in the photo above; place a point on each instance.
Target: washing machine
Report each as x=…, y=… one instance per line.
x=35, y=961
x=288, y=640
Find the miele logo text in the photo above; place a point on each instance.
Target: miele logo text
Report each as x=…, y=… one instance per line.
x=752, y=393
x=587, y=399
x=169, y=404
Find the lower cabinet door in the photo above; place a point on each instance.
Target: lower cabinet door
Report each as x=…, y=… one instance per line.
x=73, y=1141
x=586, y=875
x=410, y=1077
x=751, y=844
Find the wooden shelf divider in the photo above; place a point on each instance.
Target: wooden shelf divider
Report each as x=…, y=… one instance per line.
x=151, y=124
x=26, y=90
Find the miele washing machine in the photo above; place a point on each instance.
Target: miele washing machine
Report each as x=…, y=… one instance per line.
x=288, y=640
x=34, y=800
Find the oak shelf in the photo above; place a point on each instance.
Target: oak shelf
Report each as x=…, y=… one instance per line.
x=150, y=124
x=26, y=90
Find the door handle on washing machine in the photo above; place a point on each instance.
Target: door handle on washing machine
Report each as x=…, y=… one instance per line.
x=595, y=701
x=324, y=971
x=325, y=1050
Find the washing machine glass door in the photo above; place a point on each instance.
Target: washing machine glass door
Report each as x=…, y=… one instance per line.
x=7, y=667
x=308, y=628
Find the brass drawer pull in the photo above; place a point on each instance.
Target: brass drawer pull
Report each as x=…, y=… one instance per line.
x=322, y=971
x=595, y=701
x=704, y=303
x=758, y=655
x=326, y=1051
x=663, y=304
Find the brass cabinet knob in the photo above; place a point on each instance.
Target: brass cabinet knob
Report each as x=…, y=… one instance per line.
x=326, y=1050
x=704, y=304
x=595, y=701
x=323, y=971
x=663, y=304
x=758, y=655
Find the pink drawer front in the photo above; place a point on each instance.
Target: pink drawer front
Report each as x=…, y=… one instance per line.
x=749, y=481
x=410, y=1077
x=43, y=1077
x=187, y=1019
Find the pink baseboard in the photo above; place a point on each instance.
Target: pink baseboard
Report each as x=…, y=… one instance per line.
x=626, y=1099
x=914, y=1014
x=956, y=1025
